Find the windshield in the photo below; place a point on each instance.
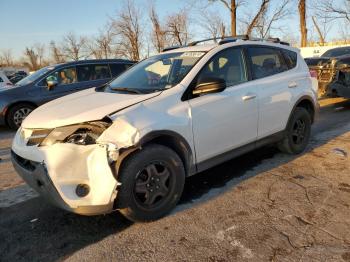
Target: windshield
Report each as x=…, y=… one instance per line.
x=336, y=52
x=29, y=79
x=155, y=73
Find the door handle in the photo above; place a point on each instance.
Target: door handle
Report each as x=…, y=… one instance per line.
x=293, y=85
x=248, y=97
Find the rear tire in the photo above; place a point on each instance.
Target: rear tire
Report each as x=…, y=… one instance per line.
x=152, y=181
x=17, y=114
x=297, y=132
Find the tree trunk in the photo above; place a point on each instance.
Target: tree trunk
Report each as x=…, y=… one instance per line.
x=302, y=17
x=261, y=11
x=233, y=17
x=318, y=31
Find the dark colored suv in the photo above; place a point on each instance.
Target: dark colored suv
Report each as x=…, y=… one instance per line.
x=52, y=82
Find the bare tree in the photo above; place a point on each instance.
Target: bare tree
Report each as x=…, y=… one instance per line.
x=159, y=34
x=321, y=36
x=73, y=46
x=92, y=48
x=56, y=53
x=232, y=6
x=40, y=53
x=212, y=24
x=334, y=9
x=127, y=27
x=177, y=28
x=302, y=18
x=101, y=46
x=6, y=57
x=323, y=22
x=343, y=32
x=267, y=20
x=32, y=58
x=256, y=19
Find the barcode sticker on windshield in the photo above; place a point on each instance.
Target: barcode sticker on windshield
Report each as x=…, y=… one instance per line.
x=192, y=54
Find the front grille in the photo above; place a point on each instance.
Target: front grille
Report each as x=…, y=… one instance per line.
x=25, y=163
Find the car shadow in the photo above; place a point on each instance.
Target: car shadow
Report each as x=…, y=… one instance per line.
x=36, y=230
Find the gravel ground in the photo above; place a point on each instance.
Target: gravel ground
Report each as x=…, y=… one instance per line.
x=264, y=206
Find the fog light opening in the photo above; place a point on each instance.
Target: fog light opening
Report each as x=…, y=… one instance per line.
x=82, y=190
x=39, y=183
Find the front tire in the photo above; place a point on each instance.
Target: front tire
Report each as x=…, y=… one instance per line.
x=297, y=132
x=17, y=114
x=152, y=181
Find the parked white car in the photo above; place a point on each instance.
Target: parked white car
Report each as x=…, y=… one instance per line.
x=4, y=81
x=130, y=145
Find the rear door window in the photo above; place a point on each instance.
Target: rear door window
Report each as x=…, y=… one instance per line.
x=102, y=71
x=117, y=69
x=93, y=72
x=266, y=61
x=85, y=72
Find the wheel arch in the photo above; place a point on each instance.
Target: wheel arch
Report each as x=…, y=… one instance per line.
x=307, y=103
x=9, y=107
x=166, y=138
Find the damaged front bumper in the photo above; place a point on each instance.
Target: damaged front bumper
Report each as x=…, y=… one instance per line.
x=56, y=171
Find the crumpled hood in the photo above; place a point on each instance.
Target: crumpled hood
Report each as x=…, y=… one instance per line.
x=84, y=106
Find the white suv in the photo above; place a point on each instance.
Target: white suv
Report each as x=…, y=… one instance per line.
x=129, y=145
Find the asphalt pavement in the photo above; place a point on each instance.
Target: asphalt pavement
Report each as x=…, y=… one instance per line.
x=32, y=230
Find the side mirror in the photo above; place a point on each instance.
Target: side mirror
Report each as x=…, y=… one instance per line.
x=51, y=84
x=210, y=85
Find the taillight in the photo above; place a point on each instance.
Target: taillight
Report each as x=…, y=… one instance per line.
x=9, y=84
x=313, y=73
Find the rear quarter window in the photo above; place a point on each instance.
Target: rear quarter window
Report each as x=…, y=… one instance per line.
x=291, y=58
x=1, y=80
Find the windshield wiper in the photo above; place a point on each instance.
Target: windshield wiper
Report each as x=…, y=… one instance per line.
x=125, y=89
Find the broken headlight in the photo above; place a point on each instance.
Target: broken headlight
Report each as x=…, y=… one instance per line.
x=80, y=134
x=33, y=137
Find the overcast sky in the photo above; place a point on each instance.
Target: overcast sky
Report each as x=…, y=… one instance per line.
x=26, y=22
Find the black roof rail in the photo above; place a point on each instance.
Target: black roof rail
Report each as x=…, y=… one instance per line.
x=168, y=48
x=204, y=40
x=274, y=39
x=229, y=39
x=277, y=40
